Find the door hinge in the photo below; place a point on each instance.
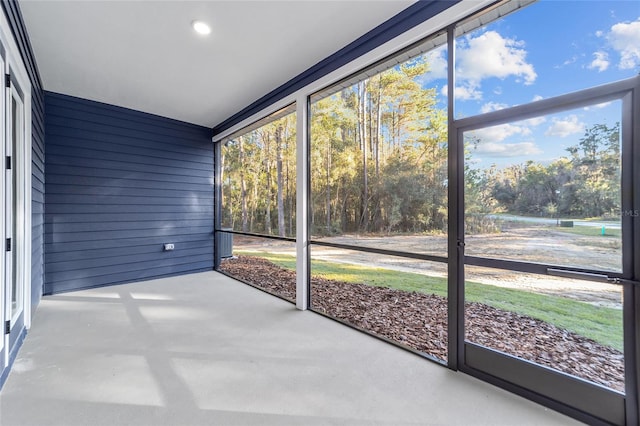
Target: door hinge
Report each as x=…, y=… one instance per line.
x=8, y=245
x=7, y=80
x=8, y=162
x=7, y=327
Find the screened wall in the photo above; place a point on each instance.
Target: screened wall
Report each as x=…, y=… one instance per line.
x=470, y=197
x=257, y=204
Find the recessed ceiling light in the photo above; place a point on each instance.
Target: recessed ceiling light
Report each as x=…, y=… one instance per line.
x=201, y=27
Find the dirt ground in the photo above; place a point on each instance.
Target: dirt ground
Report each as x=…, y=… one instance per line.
x=531, y=244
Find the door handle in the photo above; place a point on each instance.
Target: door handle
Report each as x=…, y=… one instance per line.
x=590, y=276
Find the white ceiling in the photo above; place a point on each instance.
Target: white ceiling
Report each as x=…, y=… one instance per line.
x=145, y=55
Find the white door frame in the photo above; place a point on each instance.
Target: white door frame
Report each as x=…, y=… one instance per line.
x=13, y=219
x=13, y=65
x=4, y=303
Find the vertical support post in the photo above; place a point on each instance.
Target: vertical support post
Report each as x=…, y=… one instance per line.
x=630, y=221
x=25, y=180
x=217, y=207
x=302, y=203
x=455, y=289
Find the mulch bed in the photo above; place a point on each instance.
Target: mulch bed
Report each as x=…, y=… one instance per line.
x=419, y=321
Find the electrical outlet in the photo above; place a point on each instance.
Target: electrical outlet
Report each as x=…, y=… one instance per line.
x=169, y=246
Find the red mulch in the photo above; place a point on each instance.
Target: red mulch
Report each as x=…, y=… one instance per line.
x=419, y=321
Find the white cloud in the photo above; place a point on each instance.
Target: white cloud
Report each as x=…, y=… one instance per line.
x=465, y=93
x=499, y=133
x=624, y=37
x=437, y=61
x=491, y=55
x=537, y=98
x=565, y=127
x=508, y=149
x=599, y=33
x=600, y=61
x=535, y=121
x=569, y=61
x=597, y=106
x=492, y=106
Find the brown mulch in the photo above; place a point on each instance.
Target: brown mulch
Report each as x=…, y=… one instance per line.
x=419, y=321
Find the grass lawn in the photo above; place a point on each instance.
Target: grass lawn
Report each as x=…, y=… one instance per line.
x=604, y=325
x=590, y=231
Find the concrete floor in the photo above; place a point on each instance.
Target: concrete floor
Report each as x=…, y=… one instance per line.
x=205, y=349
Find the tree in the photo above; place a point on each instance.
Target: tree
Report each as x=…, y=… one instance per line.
x=258, y=167
x=379, y=155
x=243, y=187
x=585, y=185
x=279, y=180
x=597, y=161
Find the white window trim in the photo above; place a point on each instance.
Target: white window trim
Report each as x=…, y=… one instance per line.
x=302, y=198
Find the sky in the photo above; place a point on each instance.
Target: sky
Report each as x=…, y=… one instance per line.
x=549, y=48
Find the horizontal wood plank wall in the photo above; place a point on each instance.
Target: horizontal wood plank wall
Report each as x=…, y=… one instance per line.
x=119, y=184
x=37, y=196
x=12, y=11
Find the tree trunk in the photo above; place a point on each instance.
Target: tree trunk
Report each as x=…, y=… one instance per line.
x=279, y=181
x=254, y=207
x=377, y=130
x=344, y=218
x=243, y=188
x=362, y=123
x=289, y=196
x=267, y=166
x=328, y=188
x=378, y=127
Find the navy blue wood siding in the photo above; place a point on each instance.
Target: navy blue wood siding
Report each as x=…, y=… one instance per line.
x=119, y=184
x=12, y=12
x=37, y=196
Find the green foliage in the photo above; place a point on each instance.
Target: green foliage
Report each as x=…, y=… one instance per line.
x=379, y=156
x=585, y=184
